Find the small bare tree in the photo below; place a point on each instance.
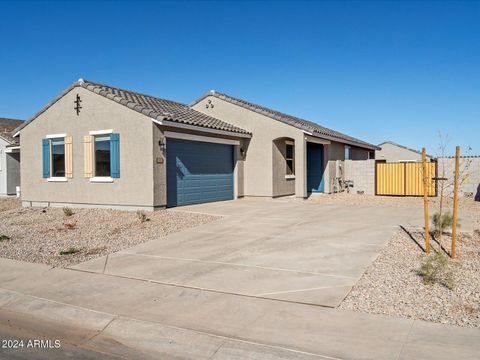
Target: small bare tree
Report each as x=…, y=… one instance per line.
x=440, y=219
x=442, y=147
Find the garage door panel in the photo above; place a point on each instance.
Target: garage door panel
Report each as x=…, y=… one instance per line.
x=198, y=172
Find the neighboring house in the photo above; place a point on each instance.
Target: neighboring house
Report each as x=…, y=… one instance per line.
x=9, y=157
x=393, y=152
x=100, y=146
x=286, y=155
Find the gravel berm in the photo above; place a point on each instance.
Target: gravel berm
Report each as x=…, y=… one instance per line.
x=39, y=235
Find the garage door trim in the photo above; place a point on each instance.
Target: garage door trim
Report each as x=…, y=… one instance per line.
x=201, y=138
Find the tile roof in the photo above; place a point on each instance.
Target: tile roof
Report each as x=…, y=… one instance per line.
x=6, y=128
x=153, y=107
x=308, y=126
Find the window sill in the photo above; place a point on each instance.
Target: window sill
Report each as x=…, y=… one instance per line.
x=57, y=179
x=101, y=179
x=290, y=177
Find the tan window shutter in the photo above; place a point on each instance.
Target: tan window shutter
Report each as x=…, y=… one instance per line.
x=68, y=157
x=88, y=155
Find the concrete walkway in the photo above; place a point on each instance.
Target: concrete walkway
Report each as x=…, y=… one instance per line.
x=141, y=319
x=286, y=250
x=228, y=290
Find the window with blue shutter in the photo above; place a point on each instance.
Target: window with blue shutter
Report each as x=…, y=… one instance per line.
x=115, y=155
x=46, y=158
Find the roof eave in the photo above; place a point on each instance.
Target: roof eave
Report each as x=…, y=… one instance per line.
x=6, y=140
x=175, y=124
x=342, y=141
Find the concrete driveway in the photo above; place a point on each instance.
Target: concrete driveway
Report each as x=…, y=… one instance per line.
x=289, y=250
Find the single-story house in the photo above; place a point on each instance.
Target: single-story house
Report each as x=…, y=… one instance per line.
x=390, y=151
x=9, y=157
x=100, y=146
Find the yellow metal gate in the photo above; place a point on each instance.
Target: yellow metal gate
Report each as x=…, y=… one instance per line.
x=404, y=179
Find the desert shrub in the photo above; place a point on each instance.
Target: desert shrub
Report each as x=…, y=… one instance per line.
x=442, y=222
x=436, y=268
x=68, y=211
x=4, y=237
x=142, y=217
x=69, y=251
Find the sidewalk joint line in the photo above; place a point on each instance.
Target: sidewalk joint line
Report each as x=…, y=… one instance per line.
x=105, y=265
x=100, y=331
x=406, y=339
x=237, y=264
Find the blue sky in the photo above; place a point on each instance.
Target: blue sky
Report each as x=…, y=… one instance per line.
x=400, y=71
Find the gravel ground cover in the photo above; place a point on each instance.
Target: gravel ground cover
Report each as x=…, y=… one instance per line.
x=465, y=204
x=40, y=235
x=9, y=203
x=392, y=286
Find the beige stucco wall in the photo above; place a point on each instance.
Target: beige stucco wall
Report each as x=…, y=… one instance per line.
x=132, y=189
x=259, y=176
x=281, y=185
x=332, y=152
x=394, y=153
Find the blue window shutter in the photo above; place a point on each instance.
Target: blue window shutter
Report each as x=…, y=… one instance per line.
x=115, y=155
x=46, y=158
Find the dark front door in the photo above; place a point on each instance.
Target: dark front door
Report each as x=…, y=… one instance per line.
x=198, y=172
x=315, y=169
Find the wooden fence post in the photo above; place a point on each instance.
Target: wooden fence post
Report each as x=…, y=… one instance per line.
x=455, y=202
x=425, y=200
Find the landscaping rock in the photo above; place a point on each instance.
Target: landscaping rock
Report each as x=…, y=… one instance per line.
x=392, y=285
x=40, y=235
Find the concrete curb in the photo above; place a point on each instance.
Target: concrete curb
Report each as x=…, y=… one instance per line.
x=131, y=338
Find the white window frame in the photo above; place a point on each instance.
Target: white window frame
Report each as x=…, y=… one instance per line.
x=101, y=179
x=101, y=132
x=56, y=136
x=290, y=176
x=51, y=137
